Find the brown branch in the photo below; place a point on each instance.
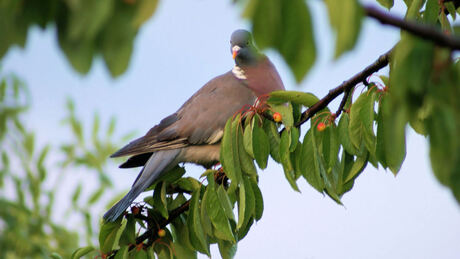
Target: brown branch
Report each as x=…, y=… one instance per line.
x=342, y=103
x=152, y=234
x=380, y=63
x=421, y=30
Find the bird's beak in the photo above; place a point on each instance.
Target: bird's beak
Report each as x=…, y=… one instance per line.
x=235, y=50
x=234, y=54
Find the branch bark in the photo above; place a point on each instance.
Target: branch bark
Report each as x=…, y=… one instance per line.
x=346, y=86
x=421, y=30
x=152, y=234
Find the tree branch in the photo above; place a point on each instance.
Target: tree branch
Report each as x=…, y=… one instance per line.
x=421, y=30
x=342, y=103
x=163, y=223
x=380, y=63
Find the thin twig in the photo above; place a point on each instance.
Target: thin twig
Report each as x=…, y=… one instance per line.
x=342, y=103
x=152, y=234
x=421, y=30
x=380, y=63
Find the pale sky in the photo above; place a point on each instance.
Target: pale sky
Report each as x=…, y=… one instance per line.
x=185, y=45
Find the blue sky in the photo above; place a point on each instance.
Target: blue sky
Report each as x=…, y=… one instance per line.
x=181, y=48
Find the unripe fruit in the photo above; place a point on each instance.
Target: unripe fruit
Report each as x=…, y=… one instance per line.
x=321, y=126
x=277, y=117
x=161, y=233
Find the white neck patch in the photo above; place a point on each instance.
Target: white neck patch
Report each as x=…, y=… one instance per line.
x=239, y=73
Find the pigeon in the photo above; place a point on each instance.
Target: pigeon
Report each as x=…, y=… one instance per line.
x=193, y=133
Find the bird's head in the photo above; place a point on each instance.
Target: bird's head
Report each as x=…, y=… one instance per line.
x=242, y=48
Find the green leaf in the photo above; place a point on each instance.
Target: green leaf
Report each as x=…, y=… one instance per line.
x=274, y=139
x=362, y=122
x=445, y=23
x=287, y=27
x=95, y=196
x=128, y=237
x=177, y=202
x=386, y=3
x=119, y=29
x=79, y=53
x=55, y=256
x=205, y=220
x=171, y=175
x=411, y=70
x=145, y=9
x=82, y=251
x=246, y=161
x=181, y=236
x=261, y=145
x=159, y=199
x=451, y=8
x=110, y=234
x=346, y=163
x=219, y=220
x=29, y=144
x=311, y=164
x=285, y=142
x=345, y=17
x=259, y=201
x=76, y=194
x=122, y=253
x=227, y=249
x=358, y=166
x=111, y=128
x=225, y=202
x=455, y=179
x=246, y=205
x=197, y=236
x=344, y=134
x=95, y=131
x=330, y=145
x=229, y=154
x=266, y=22
x=296, y=43
x=188, y=183
x=286, y=159
x=431, y=11
x=42, y=156
x=391, y=134
x=444, y=143
x=297, y=97
x=295, y=134
x=87, y=18
x=241, y=206
x=247, y=139
x=141, y=254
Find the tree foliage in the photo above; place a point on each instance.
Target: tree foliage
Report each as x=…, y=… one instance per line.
x=85, y=28
x=184, y=216
x=28, y=216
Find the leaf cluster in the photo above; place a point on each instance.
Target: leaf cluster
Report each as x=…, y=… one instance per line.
x=85, y=28
x=30, y=180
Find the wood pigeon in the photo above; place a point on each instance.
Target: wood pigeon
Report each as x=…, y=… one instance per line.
x=193, y=133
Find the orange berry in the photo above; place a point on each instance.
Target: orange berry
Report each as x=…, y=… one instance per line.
x=277, y=117
x=161, y=233
x=321, y=126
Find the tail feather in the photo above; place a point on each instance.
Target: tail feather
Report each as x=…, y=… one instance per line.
x=159, y=162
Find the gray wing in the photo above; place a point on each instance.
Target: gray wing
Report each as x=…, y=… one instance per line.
x=200, y=120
